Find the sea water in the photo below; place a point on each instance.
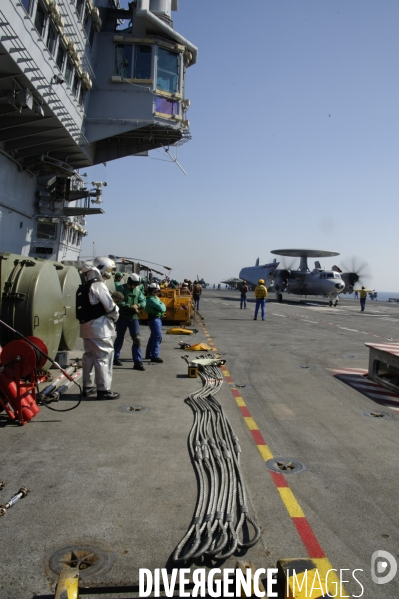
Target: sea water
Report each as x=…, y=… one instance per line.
x=383, y=296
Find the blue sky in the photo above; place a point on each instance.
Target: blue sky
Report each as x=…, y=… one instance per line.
x=295, y=130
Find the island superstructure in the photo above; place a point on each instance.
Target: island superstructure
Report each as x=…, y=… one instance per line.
x=82, y=82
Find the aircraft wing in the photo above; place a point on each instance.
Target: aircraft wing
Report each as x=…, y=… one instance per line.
x=232, y=281
x=252, y=274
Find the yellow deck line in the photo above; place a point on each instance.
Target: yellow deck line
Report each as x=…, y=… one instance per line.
x=293, y=507
x=251, y=423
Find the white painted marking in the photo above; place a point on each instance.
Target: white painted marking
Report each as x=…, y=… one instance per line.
x=282, y=315
x=346, y=329
x=350, y=370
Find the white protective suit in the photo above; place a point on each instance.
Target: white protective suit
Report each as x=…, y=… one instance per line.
x=98, y=336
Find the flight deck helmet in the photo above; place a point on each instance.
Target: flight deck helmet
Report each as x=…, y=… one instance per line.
x=105, y=265
x=261, y=282
x=133, y=279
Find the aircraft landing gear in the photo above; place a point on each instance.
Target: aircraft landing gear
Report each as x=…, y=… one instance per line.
x=330, y=303
x=335, y=303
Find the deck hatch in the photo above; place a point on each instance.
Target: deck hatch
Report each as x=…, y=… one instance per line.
x=285, y=465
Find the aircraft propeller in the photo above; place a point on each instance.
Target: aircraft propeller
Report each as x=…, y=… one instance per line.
x=283, y=274
x=355, y=272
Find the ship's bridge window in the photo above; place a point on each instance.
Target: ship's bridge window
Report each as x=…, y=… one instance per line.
x=142, y=62
x=82, y=95
x=168, y=71
x=40, y=19
x=52, y=39
x=68, y=71
x=26, y=5
x=166, y=106
x=86, y=23
x=61, y=53
x=79, y=7
x=91, y=34
x=123, y=60
x=46, y=229
x=75, y=84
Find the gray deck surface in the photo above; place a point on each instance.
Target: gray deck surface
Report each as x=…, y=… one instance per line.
x=124, y=482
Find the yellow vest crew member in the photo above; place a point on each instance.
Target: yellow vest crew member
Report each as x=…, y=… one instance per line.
x=260, y=296
x=363, y=296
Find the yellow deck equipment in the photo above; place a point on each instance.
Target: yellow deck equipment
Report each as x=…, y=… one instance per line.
x=178, y=307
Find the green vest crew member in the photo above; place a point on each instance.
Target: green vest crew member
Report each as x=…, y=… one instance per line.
x=260, y=295
x=118, y=281
x=155, y=310
x=129, y=307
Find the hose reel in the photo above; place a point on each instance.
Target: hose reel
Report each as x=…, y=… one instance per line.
x=19, y=362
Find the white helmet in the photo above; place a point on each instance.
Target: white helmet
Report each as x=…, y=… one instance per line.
x=154, y=286
x=105, y=265
x=133, y=278
x=86, y=267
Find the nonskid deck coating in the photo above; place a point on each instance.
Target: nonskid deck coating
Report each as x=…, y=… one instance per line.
x=127, y=484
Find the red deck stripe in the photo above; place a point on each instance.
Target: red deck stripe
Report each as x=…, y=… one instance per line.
x=245, y=411
x=259, y=440
x=279, y=479
x=308, y=538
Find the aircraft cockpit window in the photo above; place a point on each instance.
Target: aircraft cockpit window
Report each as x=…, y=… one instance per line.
x=330, y=275
x=336, y=276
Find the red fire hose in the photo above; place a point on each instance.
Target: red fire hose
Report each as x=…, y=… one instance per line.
x=19, y=362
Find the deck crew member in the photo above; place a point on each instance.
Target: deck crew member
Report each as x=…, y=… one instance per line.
x=97, y=329
x=129, y=307
x=118, y=279
x=260, y=295
x=244, y=291
x=155, y=310
x=363, y=297
x=197, y=290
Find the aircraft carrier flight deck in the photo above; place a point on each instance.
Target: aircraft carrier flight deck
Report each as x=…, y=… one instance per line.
x=122, y=482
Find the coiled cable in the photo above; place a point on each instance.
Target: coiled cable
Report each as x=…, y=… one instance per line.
x=221, y=512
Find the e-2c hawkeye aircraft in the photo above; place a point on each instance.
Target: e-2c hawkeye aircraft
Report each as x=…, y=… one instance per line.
x=302, y=281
